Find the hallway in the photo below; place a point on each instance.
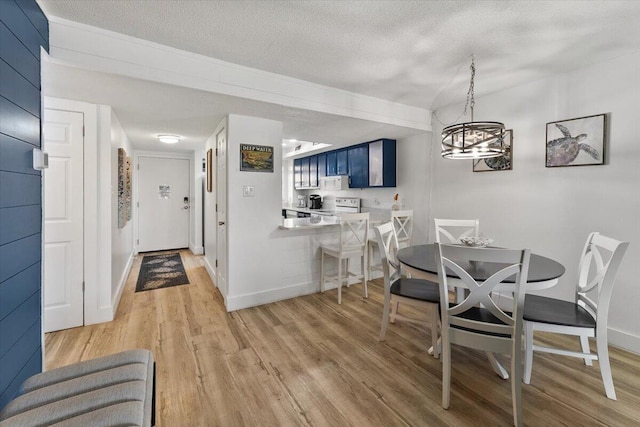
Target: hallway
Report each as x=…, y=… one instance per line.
x=308, y=361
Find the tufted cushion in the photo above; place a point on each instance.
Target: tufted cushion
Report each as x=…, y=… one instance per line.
x=108, y=391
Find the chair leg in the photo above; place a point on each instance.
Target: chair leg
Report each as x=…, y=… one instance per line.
x=339, y=281
x=363, y=270
x=370, y=259
x=322, y=271
x=605, y=367
x=346, y=271
x=528, y=352
x=516, y=382
x=446, y=373
x=584, y=343
x=394, y=310
x=434, y=330
x=385, y=316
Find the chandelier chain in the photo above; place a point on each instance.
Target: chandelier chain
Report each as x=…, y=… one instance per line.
x=470, y=103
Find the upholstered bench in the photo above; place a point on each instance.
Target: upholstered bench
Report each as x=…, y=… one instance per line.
x=116, y=390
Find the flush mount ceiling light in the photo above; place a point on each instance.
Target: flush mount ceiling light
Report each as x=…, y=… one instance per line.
x=169, y=139
x=473, y=140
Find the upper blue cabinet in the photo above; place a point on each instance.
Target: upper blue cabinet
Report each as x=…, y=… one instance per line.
x=358, y=159
x=382, y=163
x=370, y=164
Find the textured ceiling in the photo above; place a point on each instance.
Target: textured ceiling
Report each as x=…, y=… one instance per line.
x=412, y=52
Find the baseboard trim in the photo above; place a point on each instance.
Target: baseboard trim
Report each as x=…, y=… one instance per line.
x=624, y=340
x=196, y=250
x=258, y=298
x=123, y=282
x=210, y=271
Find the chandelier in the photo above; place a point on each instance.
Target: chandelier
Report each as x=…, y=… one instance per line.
x=473, y=140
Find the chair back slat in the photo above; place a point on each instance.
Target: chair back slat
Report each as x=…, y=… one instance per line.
x=452, y=230
x=597, y=270
x=354, y=230
x=387, y=242
x=451, y=259
x=403, y=225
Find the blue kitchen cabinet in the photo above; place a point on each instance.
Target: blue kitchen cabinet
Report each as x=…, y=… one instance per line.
x=332, y=163
x=297, y=173
x=342, y=162
x=322, y=166
x=358, y=160
x=305, y=172
x=382, y=163
x=313, y=171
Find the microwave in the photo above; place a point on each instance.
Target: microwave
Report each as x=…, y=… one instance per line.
x=334, y=183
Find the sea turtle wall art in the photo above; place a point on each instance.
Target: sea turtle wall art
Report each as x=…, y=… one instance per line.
x=500, y=163
x=576, y=142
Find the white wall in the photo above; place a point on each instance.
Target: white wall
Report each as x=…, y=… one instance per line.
x=195, y=195
x=253, y=266
x=552, y=210
x=121, y=238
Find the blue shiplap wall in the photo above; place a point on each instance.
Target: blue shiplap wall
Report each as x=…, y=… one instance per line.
x=23, y=29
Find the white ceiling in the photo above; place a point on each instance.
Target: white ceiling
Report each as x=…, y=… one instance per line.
x=412, y=52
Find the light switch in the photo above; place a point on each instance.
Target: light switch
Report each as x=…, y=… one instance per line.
x=248, y=191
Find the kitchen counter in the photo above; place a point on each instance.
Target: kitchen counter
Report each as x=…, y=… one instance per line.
x=306, y=223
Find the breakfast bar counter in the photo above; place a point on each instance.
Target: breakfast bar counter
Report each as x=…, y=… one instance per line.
x=309, y=223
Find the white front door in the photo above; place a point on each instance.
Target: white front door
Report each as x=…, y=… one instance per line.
x=63, y=220
x=163, y=203
x=221, y=200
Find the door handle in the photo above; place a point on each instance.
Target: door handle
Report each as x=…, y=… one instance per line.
x=220, y=222
x=186, y=207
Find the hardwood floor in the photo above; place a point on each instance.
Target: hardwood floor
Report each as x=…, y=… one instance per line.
x=309, y=362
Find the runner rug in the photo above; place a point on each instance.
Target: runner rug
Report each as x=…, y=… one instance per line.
x=161, y=271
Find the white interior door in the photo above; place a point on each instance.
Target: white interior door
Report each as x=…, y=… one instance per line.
x=63, y=220
x=163, y=203
x=221, y=200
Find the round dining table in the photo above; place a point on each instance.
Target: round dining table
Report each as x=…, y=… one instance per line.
x=420, y=262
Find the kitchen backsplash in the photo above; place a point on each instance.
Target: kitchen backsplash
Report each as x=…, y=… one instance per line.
x=371, y=200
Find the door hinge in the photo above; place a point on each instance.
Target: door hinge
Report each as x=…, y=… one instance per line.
x=216, y=207
x=82, y=130
x=216, y=152
x=137, y=241
x=83, y=285
x=216, y=263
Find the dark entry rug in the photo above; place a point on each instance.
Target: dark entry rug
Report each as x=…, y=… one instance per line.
x=161, y=271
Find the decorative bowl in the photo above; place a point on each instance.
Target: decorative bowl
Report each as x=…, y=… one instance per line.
x=476, y=242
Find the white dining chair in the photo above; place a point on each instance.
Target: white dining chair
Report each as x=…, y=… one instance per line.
x=452, y=230
x=422, y=294
x=477, y=322
x=352, y=243
x=403, y=224
x=586, y=316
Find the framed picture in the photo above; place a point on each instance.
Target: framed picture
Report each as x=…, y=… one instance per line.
x=500, y=163
x=209, y=170
x=256, y=158
x=576, y=142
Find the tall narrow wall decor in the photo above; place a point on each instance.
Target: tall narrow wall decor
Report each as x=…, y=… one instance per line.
x=124, y=188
